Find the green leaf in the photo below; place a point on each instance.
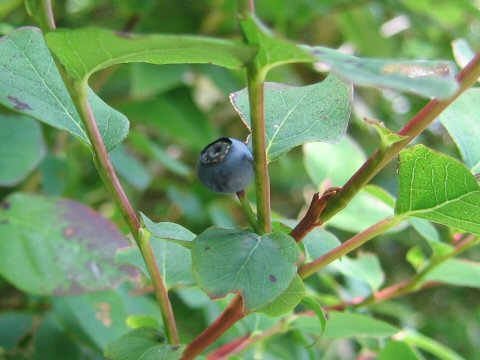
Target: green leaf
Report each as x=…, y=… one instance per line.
x=14, y=326
x=344, y=325
x=368, y=207
x=462, y=52
x=425, y=229
x=85, y=51
x=318, y=242
x=422, y=77
x=31, y=84
x=7, y=6
x=130, y=168
x=395, y=350
x=143, y=344
x=456, y=272
x=169, y=231
x=462, y=121
x=286, y=301
x=138, y=321
x=53, y=341
x=272, y=51
x=173, y=260
x=387, y=137
x=438, y=188
x=175, y=117
x=147, y=147
x=21, y=148
x=99, y=315
x=332, y=164
x=147, y=80
x=311, y=303
x=259, y=268
x=366, y=268
x=429, y=345
x=297, y=115
x=54, y=246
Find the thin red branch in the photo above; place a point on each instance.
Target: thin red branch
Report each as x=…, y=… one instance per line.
x=233, y=313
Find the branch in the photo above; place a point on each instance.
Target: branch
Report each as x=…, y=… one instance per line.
x=78, y=91
x=252, y=219
x=230, y=316
x=348, y=246
x=377, y=161
x=255, y=80
x=413, y=284
x=312, y=218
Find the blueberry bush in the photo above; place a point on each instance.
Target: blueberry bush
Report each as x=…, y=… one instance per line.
x=336, y=216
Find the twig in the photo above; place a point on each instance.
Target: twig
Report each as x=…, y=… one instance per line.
x=348, y=246
x=312, y=217
x=230, y=316
x=377, y=161
x=78, y=91
x=252, y=219
x=260, y=166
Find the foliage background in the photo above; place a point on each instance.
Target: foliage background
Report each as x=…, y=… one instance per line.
x=175, y=110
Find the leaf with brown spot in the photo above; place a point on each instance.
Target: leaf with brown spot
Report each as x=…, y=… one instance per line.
x=55, y=246
x=259, y=268
x=31, y=84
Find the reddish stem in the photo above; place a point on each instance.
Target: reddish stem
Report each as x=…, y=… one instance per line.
x=229, y=348
x=233, y=313
x=311, y=218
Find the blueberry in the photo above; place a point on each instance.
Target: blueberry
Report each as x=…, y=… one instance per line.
x=225, y=165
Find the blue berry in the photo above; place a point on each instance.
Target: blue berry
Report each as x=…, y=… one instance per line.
x=225, y=166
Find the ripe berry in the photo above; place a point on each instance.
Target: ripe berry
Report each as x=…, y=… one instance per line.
x=225, y=165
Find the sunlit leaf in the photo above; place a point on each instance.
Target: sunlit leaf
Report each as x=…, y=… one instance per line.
x=456, y=272
x=332, y=164
x=395, y=350
x=366, y=268
x=85, y=51
x=438, y=188
x=462, y=121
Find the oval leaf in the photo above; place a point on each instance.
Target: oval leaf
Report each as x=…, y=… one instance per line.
x=30, y=83
x=422, y=77
x=143, y=344
x=462, y=121
x=21, y=148
x=259, y=268
x=287, y=300
x=272, y=51
x=297, y=115
x=85, y=51
x=344, y=325
x=456, y=272
x=173, y=260
x=438, y=188
x=332, y=164
x=54, y=246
